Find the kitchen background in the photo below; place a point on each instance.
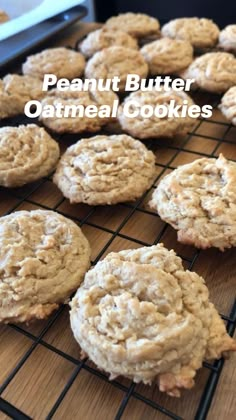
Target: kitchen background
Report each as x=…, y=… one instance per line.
x=222, y=12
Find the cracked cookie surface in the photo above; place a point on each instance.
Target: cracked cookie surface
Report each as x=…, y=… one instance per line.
x=138, y=25
x=141, y=315
x=43, y=259
x=199, y=201
x=77, y=124
x=116, y=61
x=105, y=38
x=27, y=153
x=15, y=91
x=166, y=56
x=155, y=127
x=228, y=105
x=105, y=170
x=62, y=62
x=201, y=33
x=227, y=38
x=214, y=72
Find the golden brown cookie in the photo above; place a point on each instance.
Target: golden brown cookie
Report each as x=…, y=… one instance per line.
x=227, y=38
x=44, y=257
x=16, y=91
x=201, y=33
x=166, y=56
x=116, y=61
x=141, y=315
x=27, y=153
x=105, y=170
x=138, y=25
x=105, y=38
x=214, y=72
x=76, y=124
x=62, y=62
x=155, y=127
x=228, y=105
x=199, y=201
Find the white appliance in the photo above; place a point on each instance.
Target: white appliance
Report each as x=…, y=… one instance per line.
x=26, y=13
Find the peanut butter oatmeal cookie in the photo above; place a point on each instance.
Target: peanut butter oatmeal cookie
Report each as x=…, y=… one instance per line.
x=44, y=257
x=227, y=38
x=61, y=61
x=214, y=72
x=155, y=127
x=16, y=91
x=27, y=153
x=105, y=170
x=105, y=38
x=228, y=105
x=201, y=33
x=77, y=124
x=166, y=56
x=199, y=201
x=141, y=315
x=138, y=25
x=116, y=61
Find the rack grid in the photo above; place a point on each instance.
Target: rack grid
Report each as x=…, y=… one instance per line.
x=126, y=225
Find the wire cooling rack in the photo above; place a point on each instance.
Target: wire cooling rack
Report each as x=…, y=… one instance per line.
x=125, y=226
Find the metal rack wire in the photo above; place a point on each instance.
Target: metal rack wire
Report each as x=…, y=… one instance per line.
x=22, y=196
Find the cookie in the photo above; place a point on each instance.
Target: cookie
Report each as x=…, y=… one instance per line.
x=141, y=315
x=16, y=91
x=116, y=61
x=228, y=105
x=77, y=124
x=166, y=56
x=44, y=257
x=138, y=25
x=227, y=38
x=3, y=16
x=214, y=72
x=62, y=62
x=155, y=127
x=27, y=153
x=199, y=201
x=10, y=105
x=105, y=170
x=105, y=38
x=201, y=33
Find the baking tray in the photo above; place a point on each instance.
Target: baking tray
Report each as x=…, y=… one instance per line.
x=17, y=46
x=49, y=348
